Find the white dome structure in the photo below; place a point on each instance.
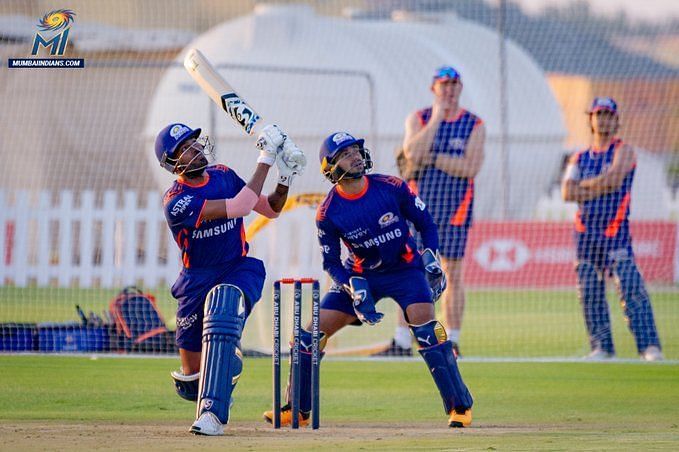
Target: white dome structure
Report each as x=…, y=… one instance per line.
x=314, y=75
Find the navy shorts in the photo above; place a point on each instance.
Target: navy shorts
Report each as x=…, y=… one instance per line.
x=193, y=285
x=453, y=240
x=406, y=287
x=602, y=251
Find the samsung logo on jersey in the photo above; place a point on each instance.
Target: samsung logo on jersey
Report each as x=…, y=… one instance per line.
x=180, y=206
x=214, y=231
x=380, y=239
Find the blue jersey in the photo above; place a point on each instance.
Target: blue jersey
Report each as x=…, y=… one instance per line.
x=608, y=214
x=373, y=226
x=450, y=199
x=205, y=243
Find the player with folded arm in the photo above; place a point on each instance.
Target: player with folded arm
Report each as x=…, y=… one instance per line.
x=599, y=178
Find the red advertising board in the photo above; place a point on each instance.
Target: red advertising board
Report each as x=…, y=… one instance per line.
x=542, y=254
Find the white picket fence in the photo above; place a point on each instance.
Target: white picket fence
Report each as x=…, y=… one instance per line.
x=110, y=243
x=72, y=239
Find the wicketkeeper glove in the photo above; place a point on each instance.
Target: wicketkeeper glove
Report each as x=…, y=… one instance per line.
x=434, y=272
x=270, y=139
x=364, y=304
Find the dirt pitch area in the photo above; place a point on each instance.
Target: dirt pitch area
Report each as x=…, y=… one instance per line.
x=51, y=435
x=54, y=435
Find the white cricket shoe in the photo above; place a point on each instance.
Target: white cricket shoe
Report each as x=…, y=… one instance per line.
x=652, y=353
x=207, y=424
x=599, y=355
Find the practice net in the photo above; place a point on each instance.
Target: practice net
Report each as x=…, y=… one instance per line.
x=81, y=198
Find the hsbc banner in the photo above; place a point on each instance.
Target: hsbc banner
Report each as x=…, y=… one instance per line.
x=540, y=254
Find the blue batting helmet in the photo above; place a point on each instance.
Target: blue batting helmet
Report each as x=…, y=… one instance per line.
x=331, y=148
x=169, y=139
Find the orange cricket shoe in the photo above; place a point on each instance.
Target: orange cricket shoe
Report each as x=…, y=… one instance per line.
x=460, y=418
x=286, y=417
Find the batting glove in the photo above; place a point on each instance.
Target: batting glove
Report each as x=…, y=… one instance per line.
x=293, y=156
x=364, y=304
x=291, y=162
x=269, y=141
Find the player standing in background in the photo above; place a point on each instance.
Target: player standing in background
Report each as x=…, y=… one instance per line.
x=219, y=284
x=444, y=145
x=369, y=214
x=599, y=179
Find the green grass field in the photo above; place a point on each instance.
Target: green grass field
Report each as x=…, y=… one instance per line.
x=529, y=323
x=84, y=403
x=56, y=402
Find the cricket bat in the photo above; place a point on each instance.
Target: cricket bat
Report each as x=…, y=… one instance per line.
x=221, y=92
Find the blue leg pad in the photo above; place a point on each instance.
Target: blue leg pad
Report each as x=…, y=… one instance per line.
x=221, y=360
x=305, y=370
x=592, y=295
x=186, y=385
x=636, y=304
x=437, y=352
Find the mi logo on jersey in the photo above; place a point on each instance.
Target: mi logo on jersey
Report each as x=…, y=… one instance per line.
x=457, y=143
x=419, y=203
x=387, y=219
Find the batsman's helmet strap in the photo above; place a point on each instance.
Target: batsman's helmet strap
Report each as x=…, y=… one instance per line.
x=169, y=139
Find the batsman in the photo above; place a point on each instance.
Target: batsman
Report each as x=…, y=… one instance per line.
x=219, y=283
x=369, y=214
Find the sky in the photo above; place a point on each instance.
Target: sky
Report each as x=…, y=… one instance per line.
x=647, y=10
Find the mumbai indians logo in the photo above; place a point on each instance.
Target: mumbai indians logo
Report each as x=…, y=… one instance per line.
x=341, y=137
x=387, y=219
x=53, y=21
x=457, y=143
x=178, y=131
x=239, y=111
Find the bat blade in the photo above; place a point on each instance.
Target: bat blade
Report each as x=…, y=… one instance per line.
x=221, y=92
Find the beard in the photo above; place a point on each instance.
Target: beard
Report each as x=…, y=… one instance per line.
x=196, y=167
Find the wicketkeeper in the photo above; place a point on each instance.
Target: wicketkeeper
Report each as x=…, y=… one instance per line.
x=369, y=214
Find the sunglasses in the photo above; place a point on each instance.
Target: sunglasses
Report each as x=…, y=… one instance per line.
x=447, y=72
